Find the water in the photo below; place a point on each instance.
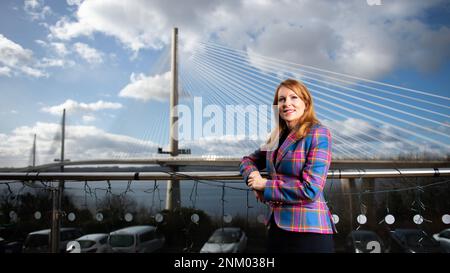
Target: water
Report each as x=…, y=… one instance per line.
x=206, y=196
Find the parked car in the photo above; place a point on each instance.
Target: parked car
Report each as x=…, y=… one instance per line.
x=39, y=241
x=412, y=241
x=136, y=239
x=2, y=245
x=8, y=242
x=94, y=243
x=226, y=240
x=443, y=238
x=364, y=241
x=13, y=247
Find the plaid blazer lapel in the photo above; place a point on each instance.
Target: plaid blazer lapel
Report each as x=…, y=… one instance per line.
x=291, y=139
x=269, y=164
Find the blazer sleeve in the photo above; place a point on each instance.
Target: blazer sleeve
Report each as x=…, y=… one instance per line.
x=311, y=180
x=253, y=162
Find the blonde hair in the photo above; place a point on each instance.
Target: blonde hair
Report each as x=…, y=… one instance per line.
x=306, y=121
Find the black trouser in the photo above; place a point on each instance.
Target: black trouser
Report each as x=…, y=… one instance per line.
x=283, y=241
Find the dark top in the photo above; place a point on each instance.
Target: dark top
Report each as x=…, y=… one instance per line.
x=283, y=137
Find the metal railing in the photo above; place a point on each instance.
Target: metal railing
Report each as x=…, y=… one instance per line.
x=229, y=162
x=213, y=175
x=25, y=177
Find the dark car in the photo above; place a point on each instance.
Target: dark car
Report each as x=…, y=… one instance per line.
x=443, y=238
x=364, y=241
x=412, y=241
x=13, y=247
x=10, y=242
x=2, y=245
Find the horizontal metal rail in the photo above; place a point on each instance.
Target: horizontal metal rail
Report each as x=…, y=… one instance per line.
x=212, y=175
x=232, y=161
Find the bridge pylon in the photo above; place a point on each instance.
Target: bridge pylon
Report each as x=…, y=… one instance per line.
x=173, y=200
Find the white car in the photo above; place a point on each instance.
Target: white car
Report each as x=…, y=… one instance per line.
x=443, y=238
x=94, y=243
x=136, y=239
x=226, y=240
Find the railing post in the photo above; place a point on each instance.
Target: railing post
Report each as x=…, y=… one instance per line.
x=368, y=185
x=54, y=233
x=348, y=187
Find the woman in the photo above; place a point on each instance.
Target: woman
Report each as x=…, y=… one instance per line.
x=299, y=219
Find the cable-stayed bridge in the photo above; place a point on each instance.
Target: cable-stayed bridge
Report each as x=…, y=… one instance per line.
x=369, y=120
x=223, y=97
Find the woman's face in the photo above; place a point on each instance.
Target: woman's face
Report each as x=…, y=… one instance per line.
x=290, y=106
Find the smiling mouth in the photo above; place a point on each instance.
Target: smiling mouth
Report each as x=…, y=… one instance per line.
x=290, y=111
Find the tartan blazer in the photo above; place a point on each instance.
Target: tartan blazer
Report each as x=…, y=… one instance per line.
x=296, y=181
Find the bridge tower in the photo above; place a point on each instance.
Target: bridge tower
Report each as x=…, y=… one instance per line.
x=173, y=200
x=57, y=194
x=33, y=152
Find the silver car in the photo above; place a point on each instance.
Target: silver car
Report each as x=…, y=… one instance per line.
x=226, y=240
x=136, y=239
x=443, y=238
x=94, y=243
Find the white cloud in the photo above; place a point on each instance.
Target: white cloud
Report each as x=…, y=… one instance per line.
x=17, y=59
x=146, y=88
x=41, y=43
x=49, y=62
x=57, y=48
x=66, y=30
x=89, y=54
x=5, y=71
x=32, y=4
x=60, y=49
x=57, y=55
x=137, y=24
x=424, y=49
x=81, y=107
x=388, y=148
x=36, y=9
x=89, y=142
x=82, y=142
x=74, y=2
x=353, y=127
x=226, y=145
x=13, y=54
x=356, y=138
x=346, y=36
x=88, y=118
x=33, y=72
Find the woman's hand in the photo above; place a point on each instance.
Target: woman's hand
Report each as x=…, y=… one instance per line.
x=259, y=196
x=256, y=181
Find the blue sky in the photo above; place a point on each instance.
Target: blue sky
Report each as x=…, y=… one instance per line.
x=83, y=81
x=109, y=58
